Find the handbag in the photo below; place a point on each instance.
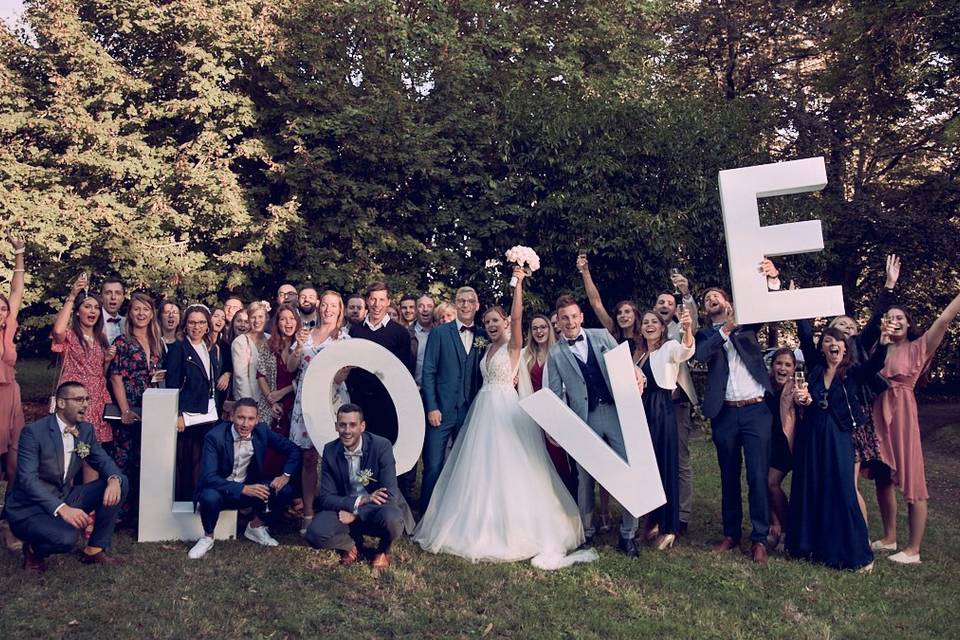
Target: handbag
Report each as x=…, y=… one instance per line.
x=112, y=411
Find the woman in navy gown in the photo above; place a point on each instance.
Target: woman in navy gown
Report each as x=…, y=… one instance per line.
x=826, y=524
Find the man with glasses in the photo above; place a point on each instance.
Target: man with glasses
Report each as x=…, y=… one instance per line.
x=48, y=506
x=450, y=380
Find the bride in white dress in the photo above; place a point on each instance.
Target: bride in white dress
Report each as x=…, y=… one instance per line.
x=499, y=497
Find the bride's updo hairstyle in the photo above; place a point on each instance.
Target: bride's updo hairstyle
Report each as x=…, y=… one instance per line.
x=496, y=309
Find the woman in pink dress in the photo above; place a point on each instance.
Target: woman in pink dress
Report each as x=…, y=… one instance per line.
x=11, y=411
x=86, y=355
x=898, y=428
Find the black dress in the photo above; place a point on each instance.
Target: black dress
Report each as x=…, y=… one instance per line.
x=780, y=456
x=826, y=524
x=662, y=420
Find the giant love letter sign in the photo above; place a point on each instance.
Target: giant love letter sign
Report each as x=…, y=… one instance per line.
x=635, y=483
x=320, y=415
x=160, y=517
x=748, y=242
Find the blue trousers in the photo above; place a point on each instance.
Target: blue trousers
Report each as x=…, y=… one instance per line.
x=743, y=434
x=434, y=452
x=381, y=521
x=49, y=534
x=212, y=502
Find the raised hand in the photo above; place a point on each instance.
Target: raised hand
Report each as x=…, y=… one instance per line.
x=582, y=264
x=892, y=271
x=78, y=285
x=686, y=322
x=302, y=336
x=15, y=242
x=886, y=327
x=519, y=274
x=681, y=283
x=769, y=269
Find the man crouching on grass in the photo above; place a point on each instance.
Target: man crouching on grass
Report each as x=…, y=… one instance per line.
x=358, y=492
x=232, y=476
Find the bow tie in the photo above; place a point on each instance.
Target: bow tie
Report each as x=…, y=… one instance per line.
x=242, y=439
x=352, y=454
x=73, y=431
x=310, y=324
x=114, y=320
x=466, y=328
x=579, y=338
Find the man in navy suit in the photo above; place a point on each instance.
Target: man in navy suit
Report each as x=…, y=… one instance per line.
x=450, y=381
x=232, y=475
x=737, y=383
x=47, y=508
x=358, y=492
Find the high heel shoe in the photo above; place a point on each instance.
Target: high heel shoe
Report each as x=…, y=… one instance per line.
x=666, y=541
x=9, y=540
x=604, y=522
x=880, y=545
x=651, y=535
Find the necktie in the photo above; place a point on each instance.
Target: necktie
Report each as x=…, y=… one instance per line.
x=466, y=328
x=579, y=338
x=114, y=320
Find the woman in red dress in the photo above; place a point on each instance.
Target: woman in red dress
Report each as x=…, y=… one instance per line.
x=11, y=411
x=534, y=358
x=86, y=355
x=898, y=428
x=276, y=381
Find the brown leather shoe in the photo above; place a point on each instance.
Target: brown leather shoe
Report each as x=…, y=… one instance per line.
x=726, y=544
x=100, y=558
x=381, y=561
x=30, y=560
x=349, y=557
x=759, y=551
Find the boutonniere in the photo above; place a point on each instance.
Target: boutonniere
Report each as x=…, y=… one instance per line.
x=82, y=449
x=480, y=342
x=365, y=477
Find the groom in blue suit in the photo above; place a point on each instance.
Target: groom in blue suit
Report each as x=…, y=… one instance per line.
x=451, y=379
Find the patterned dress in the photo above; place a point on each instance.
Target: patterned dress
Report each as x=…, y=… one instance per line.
x=11, y=409
x=132, y=366
x=271, y=368
x=84, y=364
x=298, y=427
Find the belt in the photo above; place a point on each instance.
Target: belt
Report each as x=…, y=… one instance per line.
x=743, y=403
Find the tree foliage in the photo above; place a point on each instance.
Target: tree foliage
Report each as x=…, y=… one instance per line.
x=198, y=147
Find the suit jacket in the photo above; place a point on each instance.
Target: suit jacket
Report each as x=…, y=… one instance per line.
x=451, y=376
x=710, y=350
x=217, y=461
x=336, y=492
x=40, y=486
x=185, y=371
x=566, y=378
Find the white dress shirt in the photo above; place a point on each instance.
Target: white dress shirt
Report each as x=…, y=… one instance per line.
x=379, y=325
x=740, y=384
x=421, y=336
x=466, y=337
x=112, y=330
x=353, y=457
x=242, y=454
x=579, y=348
x=69, y=444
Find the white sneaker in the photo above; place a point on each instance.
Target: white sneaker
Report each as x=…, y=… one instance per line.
x=260, y=535
x=904, y=558
x=203, y=545
x=880, y=545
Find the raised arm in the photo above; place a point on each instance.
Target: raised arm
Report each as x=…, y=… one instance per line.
x=593, y=295
x=871, y=332
x=16, y=283
x=62, y=322
x=934, y=335
x=516, y=314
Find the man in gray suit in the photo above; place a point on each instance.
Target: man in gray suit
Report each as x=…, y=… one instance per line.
x=47, y=507
x=578, y=375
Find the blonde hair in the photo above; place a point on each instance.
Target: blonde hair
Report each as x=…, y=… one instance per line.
x=330, y=292
x=441, y=309
x=531, y=346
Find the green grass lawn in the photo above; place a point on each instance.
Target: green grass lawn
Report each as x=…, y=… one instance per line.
x=241, y=590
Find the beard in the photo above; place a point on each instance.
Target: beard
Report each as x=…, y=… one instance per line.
x=307, y=308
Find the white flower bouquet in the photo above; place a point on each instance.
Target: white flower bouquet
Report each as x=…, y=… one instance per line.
x=525, y=258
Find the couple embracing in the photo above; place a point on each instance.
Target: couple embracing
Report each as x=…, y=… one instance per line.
x=498, y=497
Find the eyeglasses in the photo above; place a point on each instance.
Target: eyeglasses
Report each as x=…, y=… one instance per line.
x=197, y=323
x=78, y=399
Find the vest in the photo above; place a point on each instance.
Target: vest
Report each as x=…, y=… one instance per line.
x=597, y=392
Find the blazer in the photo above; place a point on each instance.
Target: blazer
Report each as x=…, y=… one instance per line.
x=40, y=486
x=450, y=376
x=665, y=363
x=217, y=461
x=566, y=378
x=336, y=492
x=244, y=356
x=185, y=372
x=710, y=350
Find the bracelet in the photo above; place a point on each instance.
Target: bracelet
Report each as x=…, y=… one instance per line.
x=19, y=270
x=17, y=252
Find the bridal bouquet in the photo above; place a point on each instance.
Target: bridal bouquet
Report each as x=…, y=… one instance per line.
x=523, y=257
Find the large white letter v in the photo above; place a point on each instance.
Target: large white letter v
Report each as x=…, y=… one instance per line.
x=635, y=483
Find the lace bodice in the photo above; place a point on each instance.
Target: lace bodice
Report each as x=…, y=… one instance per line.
x=499, y=370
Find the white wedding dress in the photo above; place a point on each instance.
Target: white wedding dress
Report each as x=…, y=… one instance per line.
x=499, y=497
